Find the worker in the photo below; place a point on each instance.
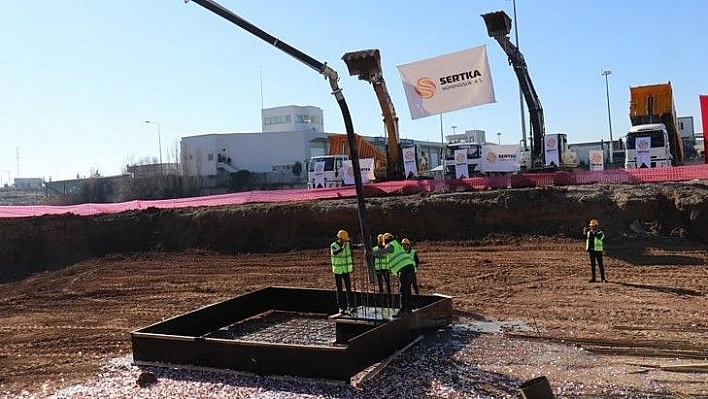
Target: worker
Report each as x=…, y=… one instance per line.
x=342, y=267
x=594, y=238
x=383, y=274
x=400, y=263
x=406, y=244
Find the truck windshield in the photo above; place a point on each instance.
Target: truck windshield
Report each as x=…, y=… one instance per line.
x=657, y=139
x=473, y=151
x=329, y=163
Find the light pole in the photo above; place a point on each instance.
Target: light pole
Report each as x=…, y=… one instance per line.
x=159, y=142
x=499, y=137
x=607, y=73
x=453, y=128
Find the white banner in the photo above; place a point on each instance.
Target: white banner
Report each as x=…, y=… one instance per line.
x=643, y=146
x=319, y=174
x=366, y=166
x=500, y=158
x=410, y=166
x=448, y=82
x=596, y=159
x=551, y=150
x=461, y=170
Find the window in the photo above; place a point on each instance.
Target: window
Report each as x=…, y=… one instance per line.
x=277, y=120
x=329, y=164
x=308, y=119
x=210, y=157
x=657, y=139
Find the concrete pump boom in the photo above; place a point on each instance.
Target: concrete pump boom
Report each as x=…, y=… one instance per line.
x=329, y=74
x=498, y=27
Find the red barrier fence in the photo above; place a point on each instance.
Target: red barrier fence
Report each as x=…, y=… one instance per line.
x=561, y=178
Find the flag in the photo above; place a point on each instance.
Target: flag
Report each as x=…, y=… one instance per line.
x=410, y=166
x=704, y=117
x=448, y=83
x=597, y=159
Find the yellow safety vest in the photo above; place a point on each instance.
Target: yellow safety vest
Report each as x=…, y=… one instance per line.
x=341, y=261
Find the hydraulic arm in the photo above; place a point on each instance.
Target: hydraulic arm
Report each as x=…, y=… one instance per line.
x=498, y=27
x=367, y=65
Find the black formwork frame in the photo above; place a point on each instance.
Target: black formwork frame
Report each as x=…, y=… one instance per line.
x=361, y=340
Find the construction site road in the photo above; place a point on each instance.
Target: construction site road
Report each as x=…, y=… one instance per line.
x=58, y=327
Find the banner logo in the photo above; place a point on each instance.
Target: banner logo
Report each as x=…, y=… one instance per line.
x=425, y=88
x=491, y=157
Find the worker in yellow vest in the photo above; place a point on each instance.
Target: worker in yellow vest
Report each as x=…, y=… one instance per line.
x=401, y=264
x=383, y=274
x=594, y=244
x=406, y=244
x=342, y=267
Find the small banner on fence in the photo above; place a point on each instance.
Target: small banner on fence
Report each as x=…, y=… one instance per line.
x=500, y=158
x=410, y=166
x=366, y=166
x=461, y=170
x=551, y=150
x=596, y=159
x=319, y=174
x=643, y=145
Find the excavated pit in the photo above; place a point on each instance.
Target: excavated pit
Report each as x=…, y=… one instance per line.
x=31, y=245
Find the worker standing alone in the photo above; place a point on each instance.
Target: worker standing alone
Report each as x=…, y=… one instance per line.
x=406, y=243
x=342, y=267
x=400, y=263
x=383, y=274
x=594, y=244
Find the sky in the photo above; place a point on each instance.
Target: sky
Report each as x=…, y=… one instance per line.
x=78, y=79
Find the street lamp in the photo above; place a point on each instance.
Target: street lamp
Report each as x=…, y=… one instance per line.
x=607, y=73
x=453, y=128
x=159, y=142
x=499, y=137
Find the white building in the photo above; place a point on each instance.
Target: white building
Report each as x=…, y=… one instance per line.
x=685, y=127
x=292, y=118
x=290, y=134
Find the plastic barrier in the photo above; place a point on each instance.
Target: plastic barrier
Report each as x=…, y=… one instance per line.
x=560, y=178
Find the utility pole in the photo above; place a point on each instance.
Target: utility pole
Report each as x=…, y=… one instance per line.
x=607, y=73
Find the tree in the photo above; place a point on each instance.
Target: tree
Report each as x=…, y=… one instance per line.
x=297, y=168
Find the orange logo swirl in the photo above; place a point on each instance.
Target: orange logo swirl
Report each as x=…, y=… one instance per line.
x=425, y=87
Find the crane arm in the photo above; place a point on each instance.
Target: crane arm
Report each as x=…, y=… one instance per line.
x=498, y=27
x=367, y=65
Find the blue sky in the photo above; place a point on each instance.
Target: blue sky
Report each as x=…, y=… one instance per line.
x=79, y=78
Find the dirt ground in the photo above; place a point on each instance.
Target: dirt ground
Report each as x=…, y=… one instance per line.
x=59, y=326
x=72, y=288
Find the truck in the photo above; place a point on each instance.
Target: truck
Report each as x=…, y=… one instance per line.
x=556, y=152
x=653, y=140
x=332, y=165
x=329, y=167
x=468, y=143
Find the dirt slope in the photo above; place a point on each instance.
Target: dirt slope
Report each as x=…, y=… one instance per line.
x=35, y=244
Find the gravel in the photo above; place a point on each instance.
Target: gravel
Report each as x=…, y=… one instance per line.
x=461, y=361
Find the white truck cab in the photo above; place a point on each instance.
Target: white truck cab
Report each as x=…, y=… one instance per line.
x=326, y=171
x=648, y=147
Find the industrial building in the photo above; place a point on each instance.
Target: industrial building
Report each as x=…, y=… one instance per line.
x=290, y=134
